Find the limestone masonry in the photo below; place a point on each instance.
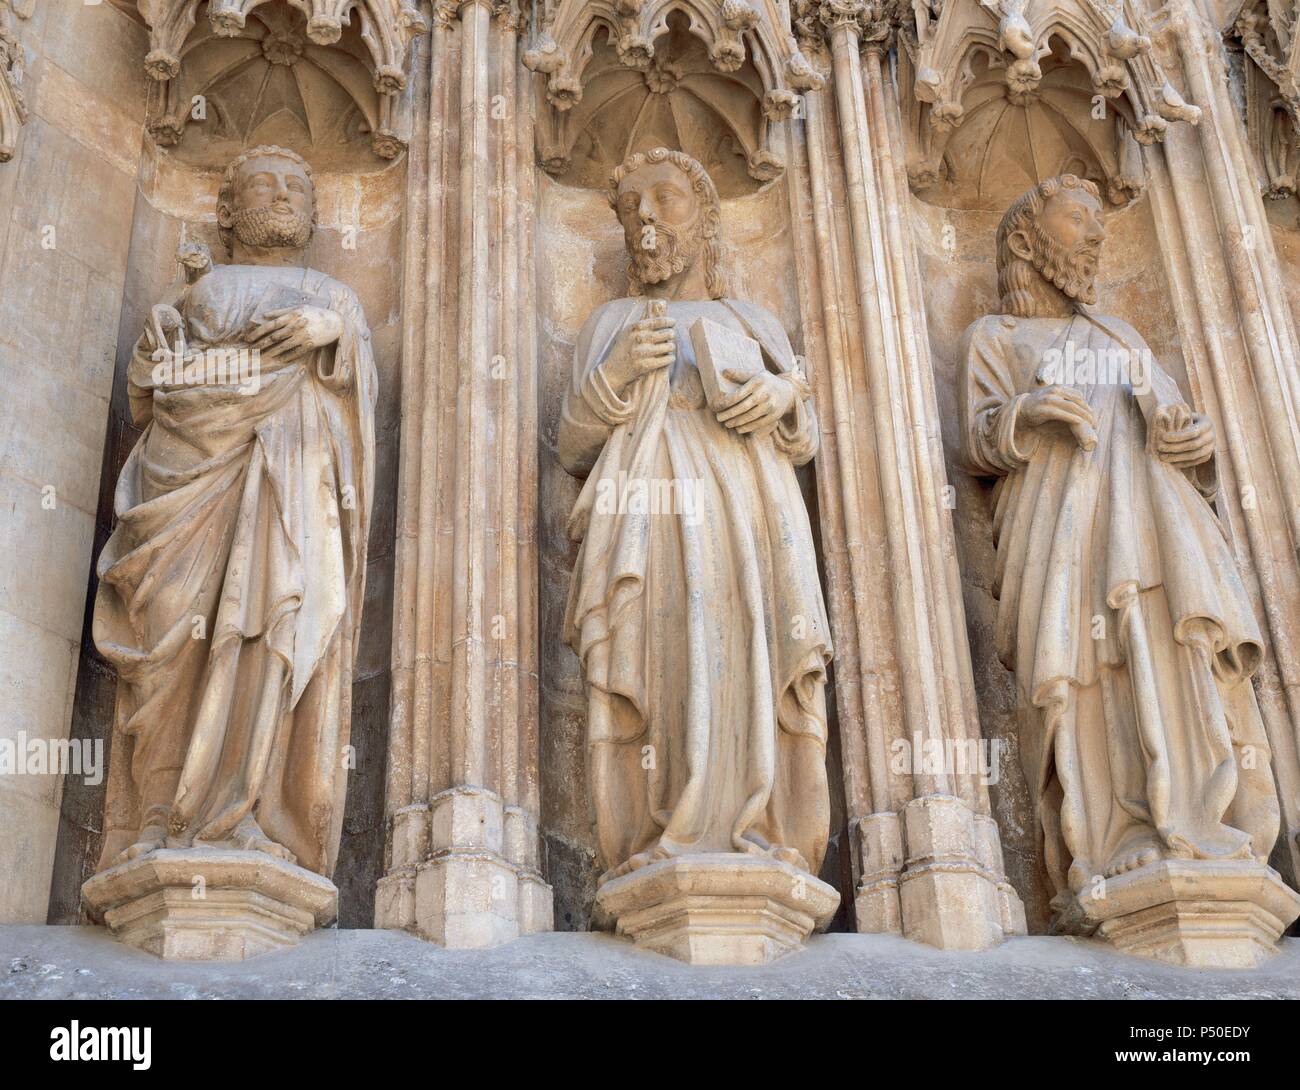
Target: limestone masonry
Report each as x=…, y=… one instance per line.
x=706, y=471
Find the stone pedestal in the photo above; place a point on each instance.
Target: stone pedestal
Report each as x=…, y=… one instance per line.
x=208, y=904
x=718, y=908
x=1216, y=915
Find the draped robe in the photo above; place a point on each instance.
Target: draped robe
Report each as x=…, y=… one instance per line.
x=231, y=588
x=1122, y=613
x=701, y=630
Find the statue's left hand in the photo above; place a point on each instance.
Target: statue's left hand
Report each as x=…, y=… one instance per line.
x=1181, y=437
x=759, y=404
x=294, y=331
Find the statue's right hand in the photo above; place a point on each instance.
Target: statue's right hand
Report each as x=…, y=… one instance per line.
x=1060, y=405
x=651, y=346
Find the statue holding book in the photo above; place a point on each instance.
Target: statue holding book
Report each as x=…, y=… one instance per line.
x=700, y=626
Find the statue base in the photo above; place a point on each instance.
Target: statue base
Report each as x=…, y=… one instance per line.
x=1195, y=912
x=210, y=904
x=718, y=908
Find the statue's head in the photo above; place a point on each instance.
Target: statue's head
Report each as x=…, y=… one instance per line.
x=671, y=217
x=1052, y=234
x=267, y=200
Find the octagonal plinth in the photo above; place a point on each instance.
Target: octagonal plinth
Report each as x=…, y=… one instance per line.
x=1218, y=915
x=718, y=909
x=209, y=904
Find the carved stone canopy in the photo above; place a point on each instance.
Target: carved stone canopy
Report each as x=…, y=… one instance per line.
x=1003, y=146
x=1268, y=34
x=318, y=75
x=1054, y=85
x=623, y=75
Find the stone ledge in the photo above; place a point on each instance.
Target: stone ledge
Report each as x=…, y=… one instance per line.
x=39, y=962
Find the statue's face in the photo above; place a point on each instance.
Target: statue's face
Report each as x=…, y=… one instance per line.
x=272, y=203
x=1067, y=249
x=662, y=219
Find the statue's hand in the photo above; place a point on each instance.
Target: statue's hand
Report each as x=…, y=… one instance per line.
x=295, y=331
x=1181, y=437
x=1060, y=405
x=759, y=404
x=653, y=346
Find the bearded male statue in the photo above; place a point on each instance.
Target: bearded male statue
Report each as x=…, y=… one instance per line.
x=1120, y=608
x=231, y=588
x=701, y=628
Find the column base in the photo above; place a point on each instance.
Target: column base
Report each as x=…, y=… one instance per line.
x=466, y=900
x=876, y=906
x=536, y=904
x=1195, y=912
x=718, y=908
x=953, y=906
x=952, y=893
x=395, y=901
x=464, y=872
x=210, y=904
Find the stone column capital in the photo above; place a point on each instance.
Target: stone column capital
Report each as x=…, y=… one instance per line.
x=875, y=22
x=446, y=12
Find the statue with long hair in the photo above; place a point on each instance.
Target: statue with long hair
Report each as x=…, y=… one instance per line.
x=695, y=606
x=1120, y=608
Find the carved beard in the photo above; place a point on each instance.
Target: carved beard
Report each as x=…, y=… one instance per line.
x=669, y=257
x=272, y=227
x=1073, y=269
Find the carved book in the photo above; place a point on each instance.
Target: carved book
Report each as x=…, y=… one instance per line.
x=719, y=349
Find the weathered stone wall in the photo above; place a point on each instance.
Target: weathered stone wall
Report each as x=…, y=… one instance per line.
x=66, y=202
x=90, y=217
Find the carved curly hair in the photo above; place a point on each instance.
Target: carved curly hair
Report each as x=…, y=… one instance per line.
x=1016, y=276
x=707, y=193
x=226, y=194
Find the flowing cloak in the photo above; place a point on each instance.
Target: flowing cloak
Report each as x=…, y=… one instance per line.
x=231, y=588
x=1120, y=608
x=701, y=630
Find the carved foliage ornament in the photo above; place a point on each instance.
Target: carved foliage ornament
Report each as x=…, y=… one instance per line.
x=385, y=27
x=578, y=44
x=876, y=21
x=1267, y=32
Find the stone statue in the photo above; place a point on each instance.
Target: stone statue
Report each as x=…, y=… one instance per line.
x=695, y=606
x=231, y=588
x=1120, y=608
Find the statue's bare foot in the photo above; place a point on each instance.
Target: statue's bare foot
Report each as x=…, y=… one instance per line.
x=636, y=862
x=249, y=837
x=754, y=844
x=152, y=837
x=792, y=856
x=1132, y=860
